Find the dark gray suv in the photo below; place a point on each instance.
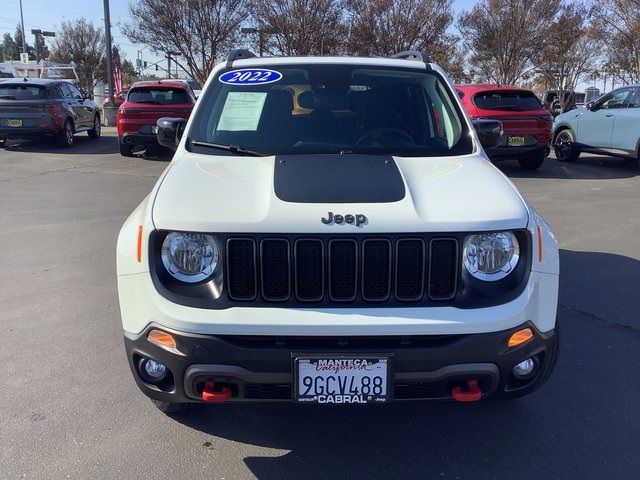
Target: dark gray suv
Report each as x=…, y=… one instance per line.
x=39, y=108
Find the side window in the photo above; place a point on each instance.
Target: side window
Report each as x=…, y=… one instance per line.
x=615, y=99
x=75, y=93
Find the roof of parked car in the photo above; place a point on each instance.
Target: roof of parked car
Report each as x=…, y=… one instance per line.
x=34, y=81
x=478, y=87
x=162, y=83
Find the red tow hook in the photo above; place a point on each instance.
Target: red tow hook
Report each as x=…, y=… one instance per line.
x=210, y=395
x=472, y=394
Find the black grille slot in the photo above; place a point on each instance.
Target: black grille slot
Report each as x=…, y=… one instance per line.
x=376, y=270
x=309, y=270
x=275, y=269
x=343, y=270
x=410, y=267
x=267, y=391
x=443, y=265
x=241, y=269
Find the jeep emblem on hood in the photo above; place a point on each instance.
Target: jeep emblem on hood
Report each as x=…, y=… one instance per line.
x=357, y=219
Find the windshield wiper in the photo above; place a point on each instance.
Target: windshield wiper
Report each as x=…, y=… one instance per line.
x=228, y=148
x=148, y=101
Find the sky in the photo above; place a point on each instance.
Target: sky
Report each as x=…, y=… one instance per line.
x=48, y=14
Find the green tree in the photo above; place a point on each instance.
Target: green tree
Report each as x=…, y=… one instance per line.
x=129, y=74
x=17, y=38
x=9, y=48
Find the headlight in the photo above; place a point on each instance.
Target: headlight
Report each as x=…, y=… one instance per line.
x=190, y=257
x=491, y=256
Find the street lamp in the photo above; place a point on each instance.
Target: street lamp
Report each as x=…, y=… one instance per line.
x=169, y=55
x=261, y=33
x=37, y=33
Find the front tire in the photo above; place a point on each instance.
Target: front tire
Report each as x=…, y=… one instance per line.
x=532, y=163
x=565, y=147
x=65, y=137
x=96, y=130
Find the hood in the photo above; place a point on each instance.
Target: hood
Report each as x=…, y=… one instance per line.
x=259, y=194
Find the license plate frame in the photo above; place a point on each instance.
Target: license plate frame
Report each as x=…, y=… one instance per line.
x=515, y=141
x=345, y=388
x=14, y=122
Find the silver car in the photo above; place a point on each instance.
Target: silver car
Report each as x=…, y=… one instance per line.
x=609, y=125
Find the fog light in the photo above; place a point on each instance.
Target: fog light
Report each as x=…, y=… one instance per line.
x=155, y=370
x=525, y=368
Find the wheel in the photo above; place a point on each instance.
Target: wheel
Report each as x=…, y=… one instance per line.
x=65, y=137
x=544, y=376
x=565, y=147
x=170, y=407
x=126, y=150
x=95, y=131
x=532, y=163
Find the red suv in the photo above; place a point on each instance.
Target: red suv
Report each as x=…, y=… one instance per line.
x=146, y=102
x=527, y=125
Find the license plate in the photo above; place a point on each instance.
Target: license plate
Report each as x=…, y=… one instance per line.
x=14, y=123
x=341, y=379
x=154, y=129
x=515, y=141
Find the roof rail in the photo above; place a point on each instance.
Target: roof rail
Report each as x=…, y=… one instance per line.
x=238, y=54
x=413, y=55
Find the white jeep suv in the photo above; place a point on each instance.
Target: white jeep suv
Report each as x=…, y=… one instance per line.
x=330, y=230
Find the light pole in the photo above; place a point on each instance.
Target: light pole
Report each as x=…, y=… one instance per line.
x=107, y=31
x=24, y=41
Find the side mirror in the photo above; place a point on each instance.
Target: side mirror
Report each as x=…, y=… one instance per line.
x=170, y=131
x=591, y=105
x=489, y=132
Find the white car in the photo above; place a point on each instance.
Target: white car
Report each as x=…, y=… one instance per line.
x=609, y=125
x=330, y=230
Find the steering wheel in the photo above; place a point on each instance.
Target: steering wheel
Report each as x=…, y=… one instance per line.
x=376, y=134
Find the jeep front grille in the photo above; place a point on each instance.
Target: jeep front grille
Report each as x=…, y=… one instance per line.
x=341, y=270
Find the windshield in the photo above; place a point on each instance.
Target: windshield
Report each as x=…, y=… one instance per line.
x=158, y=95
x=516, y=101
x=319, y=109
x=22, y=92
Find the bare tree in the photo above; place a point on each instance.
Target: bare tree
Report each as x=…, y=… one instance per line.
x=621, y=25
x=385, y=27
x=503, y=36
x=81, y=42
x=201, y=30
x=572, y=51
x=299, y=27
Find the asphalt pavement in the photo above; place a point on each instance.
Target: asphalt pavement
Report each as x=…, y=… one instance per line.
x=70, y=409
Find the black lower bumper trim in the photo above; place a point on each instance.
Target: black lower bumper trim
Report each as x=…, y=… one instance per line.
x=508, y=153
x=260, y=368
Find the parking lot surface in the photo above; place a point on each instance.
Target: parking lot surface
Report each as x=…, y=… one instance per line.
x=69, y=407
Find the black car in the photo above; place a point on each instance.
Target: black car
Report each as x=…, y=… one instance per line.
x=40, y=108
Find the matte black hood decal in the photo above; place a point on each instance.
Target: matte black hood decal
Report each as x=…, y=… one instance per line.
x=338, y=179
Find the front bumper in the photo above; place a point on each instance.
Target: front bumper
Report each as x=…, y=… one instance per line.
x=259, y=368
